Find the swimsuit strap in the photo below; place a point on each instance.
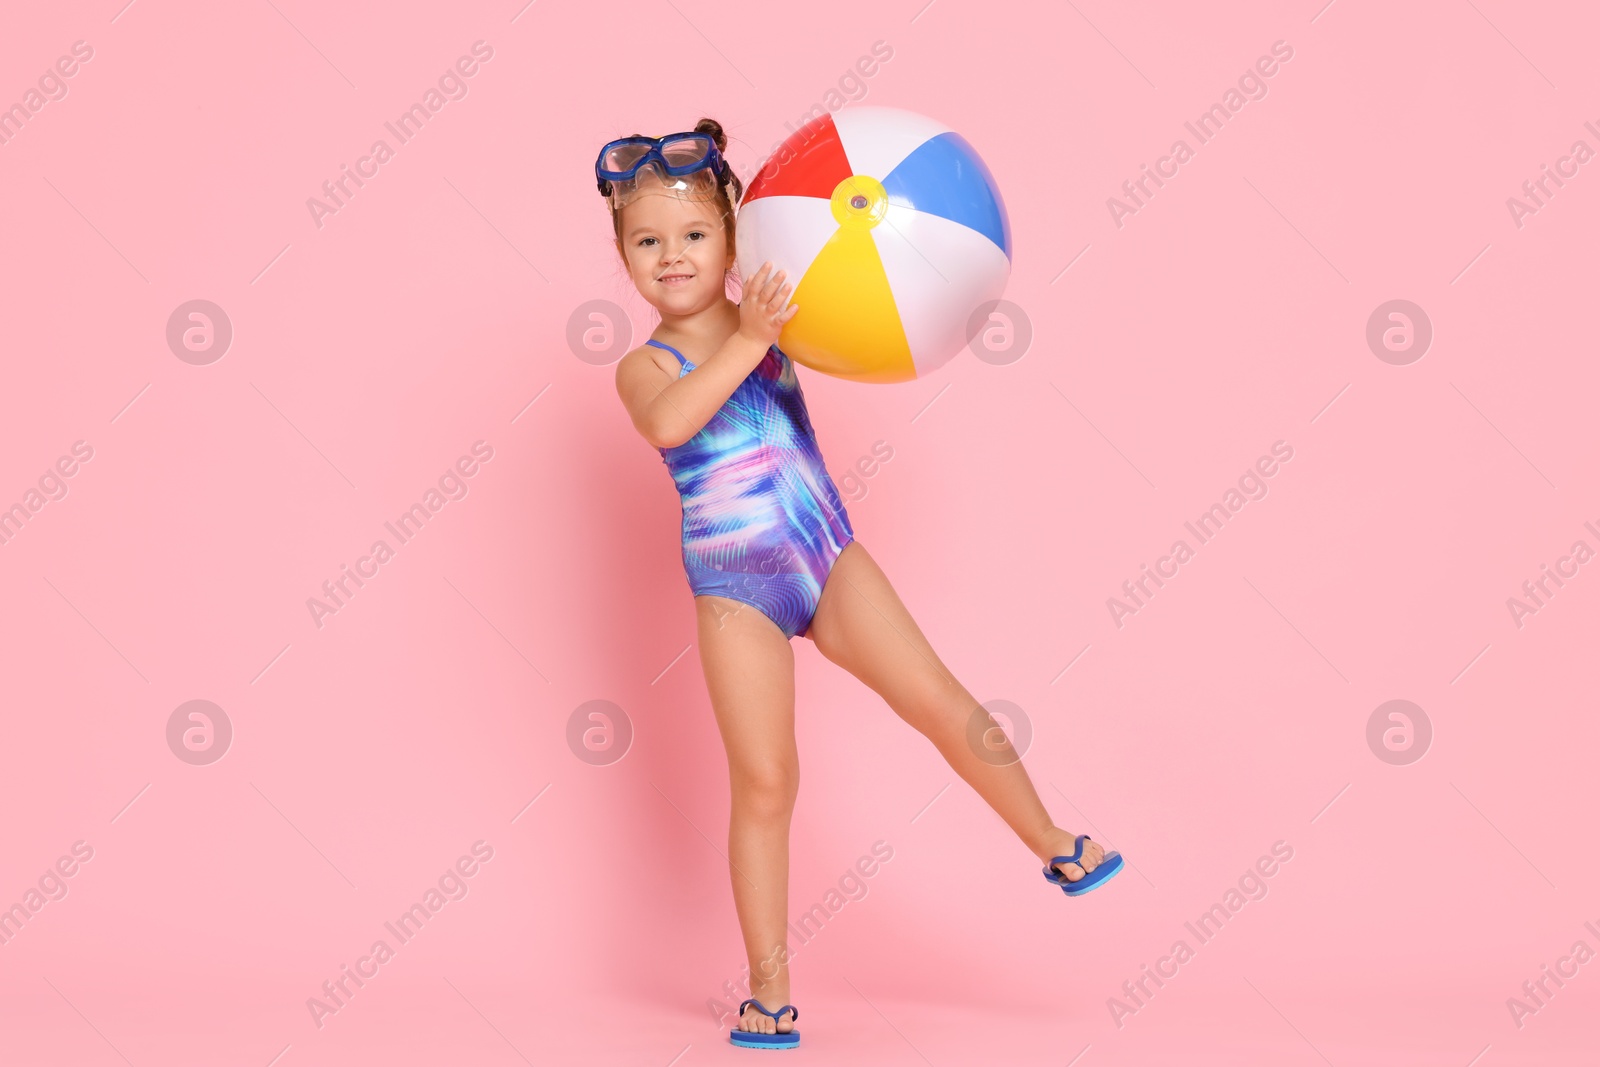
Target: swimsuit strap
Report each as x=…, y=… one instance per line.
x=681, y=360
x=669, y=348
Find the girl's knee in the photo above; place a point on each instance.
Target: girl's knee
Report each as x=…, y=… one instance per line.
x=766, y=791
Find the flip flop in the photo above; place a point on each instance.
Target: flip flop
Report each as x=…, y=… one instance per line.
x=1109, y=866
x=756, y=1039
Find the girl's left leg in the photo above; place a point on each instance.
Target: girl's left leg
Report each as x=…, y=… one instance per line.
x=862, y=626
x=749, y=670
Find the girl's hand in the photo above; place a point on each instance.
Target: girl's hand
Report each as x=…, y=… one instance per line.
x=764, y=308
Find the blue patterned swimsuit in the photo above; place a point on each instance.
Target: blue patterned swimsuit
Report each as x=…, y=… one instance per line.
x=762, y=520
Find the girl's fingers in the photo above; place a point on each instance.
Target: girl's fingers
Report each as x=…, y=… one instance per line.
x=759, y=281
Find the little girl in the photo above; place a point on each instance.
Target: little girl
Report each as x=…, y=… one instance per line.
x=768, y=548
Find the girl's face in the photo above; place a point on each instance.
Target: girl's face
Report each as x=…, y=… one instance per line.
x=677, y=252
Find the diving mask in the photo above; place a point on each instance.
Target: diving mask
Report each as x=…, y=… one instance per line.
x=683, y=164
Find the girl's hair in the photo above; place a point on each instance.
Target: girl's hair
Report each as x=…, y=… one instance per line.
x=723, y=201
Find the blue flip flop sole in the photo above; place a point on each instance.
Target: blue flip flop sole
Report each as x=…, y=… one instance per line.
x=750, y=1039
x=1095, y=878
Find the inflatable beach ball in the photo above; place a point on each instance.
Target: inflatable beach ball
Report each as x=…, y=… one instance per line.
x=893, y=234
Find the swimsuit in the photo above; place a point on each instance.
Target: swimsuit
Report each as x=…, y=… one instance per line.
x=762, y=520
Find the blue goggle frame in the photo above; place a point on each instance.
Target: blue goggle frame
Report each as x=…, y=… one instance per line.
x=710, y=159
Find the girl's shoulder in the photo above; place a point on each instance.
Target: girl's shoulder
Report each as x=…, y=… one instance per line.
x=645, y=355
x=639, y=373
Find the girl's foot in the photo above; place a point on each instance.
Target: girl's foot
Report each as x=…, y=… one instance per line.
x=1060, y=843
x=753, y=1021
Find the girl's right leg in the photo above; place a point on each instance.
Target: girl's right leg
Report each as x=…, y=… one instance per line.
x=862, y=625
x=749, y=670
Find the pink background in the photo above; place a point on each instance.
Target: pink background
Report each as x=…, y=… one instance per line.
x=368, y=354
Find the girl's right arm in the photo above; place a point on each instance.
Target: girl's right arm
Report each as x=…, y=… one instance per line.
x=668, y=410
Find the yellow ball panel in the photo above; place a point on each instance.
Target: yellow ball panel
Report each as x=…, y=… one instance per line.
x=848, y=325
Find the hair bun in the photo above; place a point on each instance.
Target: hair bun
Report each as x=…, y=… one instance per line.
x=714, y=128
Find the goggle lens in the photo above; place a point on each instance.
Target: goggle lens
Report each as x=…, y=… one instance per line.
x=624, y=156
x=683, y=151
x=678, y=152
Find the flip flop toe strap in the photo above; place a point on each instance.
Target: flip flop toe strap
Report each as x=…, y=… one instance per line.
x=774, y=1014
x=1077, y=854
